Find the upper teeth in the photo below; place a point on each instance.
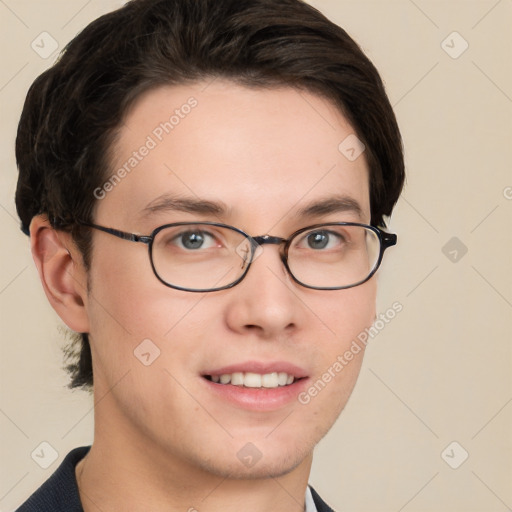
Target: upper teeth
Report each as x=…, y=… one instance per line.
x=254, y=380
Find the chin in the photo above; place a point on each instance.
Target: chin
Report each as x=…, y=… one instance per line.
x=266, y=467
x=248, y=457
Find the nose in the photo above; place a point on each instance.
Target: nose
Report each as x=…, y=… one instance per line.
x=266, y=302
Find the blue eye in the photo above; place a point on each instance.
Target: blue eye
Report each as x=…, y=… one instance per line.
x=193, y=240
x=318, y=240
x=323, y=239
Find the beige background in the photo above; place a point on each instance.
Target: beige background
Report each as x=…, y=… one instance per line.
x=440, y=371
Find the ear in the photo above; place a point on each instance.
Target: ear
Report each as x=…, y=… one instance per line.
x=62, y=272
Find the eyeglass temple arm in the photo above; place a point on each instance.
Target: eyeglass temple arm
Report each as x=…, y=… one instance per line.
x=132, y=237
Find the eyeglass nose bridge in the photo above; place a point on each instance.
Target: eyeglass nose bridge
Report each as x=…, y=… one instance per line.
x=257, y=241
x=268, y=239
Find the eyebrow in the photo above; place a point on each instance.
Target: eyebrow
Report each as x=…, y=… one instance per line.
x=170, y=203
x=336, y=204
x=167, y=203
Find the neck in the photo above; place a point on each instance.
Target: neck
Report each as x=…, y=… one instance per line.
x=124, y=472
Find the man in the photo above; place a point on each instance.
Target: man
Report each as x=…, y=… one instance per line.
x=204, y=184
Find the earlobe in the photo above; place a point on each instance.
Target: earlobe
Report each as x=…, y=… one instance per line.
x=62, y=274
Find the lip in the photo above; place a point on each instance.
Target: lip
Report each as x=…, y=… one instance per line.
x=258, y=399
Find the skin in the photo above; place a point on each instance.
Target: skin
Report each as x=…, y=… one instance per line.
x=162, y=440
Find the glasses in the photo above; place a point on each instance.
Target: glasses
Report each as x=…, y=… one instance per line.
x=208, y=256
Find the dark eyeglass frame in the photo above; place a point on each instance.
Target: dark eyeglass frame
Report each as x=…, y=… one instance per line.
x=386, y=240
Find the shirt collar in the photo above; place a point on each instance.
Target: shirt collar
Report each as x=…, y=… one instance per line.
x=310, y=504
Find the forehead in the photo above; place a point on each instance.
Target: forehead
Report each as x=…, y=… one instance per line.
x=258, y=153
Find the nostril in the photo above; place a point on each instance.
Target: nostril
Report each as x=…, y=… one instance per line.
x=253, y=327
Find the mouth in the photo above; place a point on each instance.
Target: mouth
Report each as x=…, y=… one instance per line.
x=256, y=385
x=254, y=380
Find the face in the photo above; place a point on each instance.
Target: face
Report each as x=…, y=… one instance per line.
x=262, y=158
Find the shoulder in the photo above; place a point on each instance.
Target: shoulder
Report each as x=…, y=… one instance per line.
x=60, y=492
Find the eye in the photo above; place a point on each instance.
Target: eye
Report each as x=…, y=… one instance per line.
x=322, y=239
x=194, y=240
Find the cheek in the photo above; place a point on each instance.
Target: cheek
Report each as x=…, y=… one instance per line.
x=127, y=305
x=131, y=312
x=349, y=312
x=127, y=297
